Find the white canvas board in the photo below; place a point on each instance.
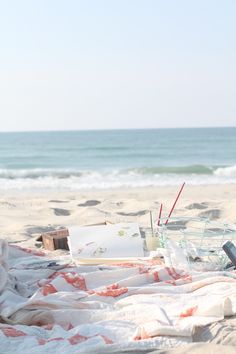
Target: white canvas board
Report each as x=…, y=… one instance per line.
x=106, y=241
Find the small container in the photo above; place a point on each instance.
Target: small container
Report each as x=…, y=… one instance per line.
x=152, y=239
x=54, y=240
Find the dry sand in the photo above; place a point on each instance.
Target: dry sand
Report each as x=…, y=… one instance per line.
x=25, y=216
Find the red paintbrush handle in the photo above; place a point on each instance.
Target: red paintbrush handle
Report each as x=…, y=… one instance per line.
x=175, y=203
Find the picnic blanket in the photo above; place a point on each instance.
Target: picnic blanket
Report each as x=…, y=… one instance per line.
x=48, y=306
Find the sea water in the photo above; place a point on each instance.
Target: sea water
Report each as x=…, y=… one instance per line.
x=78, y=160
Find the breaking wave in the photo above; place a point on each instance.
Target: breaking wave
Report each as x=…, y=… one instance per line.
x=229, y=171
x=67, y=173
x=66, y=179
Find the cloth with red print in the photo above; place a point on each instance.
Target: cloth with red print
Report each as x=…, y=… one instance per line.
x=46, y=308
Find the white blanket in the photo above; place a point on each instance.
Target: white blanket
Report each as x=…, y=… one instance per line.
x=104, y=309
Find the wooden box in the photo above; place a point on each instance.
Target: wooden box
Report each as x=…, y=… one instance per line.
x=57, y=239
x=54, y=240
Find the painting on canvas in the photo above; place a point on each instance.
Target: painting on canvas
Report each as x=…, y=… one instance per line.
x=106, y=241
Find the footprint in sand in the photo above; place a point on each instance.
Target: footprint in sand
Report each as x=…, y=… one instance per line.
x=89, y=203
x=7, y=204
x=138, y=213
x=119, y=204
x=39, y=229
x=211, y=214
x=61, y=212
x=197, y=206
x=177, y=225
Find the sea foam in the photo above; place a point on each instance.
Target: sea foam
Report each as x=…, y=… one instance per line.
x=229, y=171
x=68, y=180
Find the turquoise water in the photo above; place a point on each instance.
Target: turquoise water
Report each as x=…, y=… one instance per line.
x=109, y=159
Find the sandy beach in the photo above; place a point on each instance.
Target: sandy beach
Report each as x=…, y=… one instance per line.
x=25, y=216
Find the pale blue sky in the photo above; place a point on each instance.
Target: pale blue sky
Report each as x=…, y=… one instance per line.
x=97, y=64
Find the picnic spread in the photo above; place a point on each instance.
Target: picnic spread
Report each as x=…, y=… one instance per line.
x=57, y=305
x=118, y=289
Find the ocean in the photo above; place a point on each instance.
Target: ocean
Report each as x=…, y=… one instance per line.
x=79, y=160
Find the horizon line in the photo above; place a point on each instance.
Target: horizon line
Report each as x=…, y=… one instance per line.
x=110, y=129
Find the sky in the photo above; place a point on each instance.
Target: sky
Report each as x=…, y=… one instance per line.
x=117, y=64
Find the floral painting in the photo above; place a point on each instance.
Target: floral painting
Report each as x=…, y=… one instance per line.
x=106, y=241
